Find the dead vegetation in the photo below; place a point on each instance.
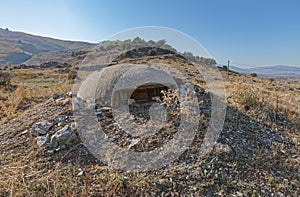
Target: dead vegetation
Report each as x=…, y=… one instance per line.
x=23, y=89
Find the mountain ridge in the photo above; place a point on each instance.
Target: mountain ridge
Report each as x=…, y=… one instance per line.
x=17, y=47
x=272, y=71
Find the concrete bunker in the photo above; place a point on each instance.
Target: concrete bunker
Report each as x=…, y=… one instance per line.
x=139, y=88
x=128, y=87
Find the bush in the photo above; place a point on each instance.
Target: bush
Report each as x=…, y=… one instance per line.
x=4, y=78
x=253, y=75
x=128, y=53
x=247, y=98
x=151, y=52
x=3, y=83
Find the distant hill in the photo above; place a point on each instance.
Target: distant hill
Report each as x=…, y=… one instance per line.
x=23, y=48
x=122, y=49
x=273, y=71
x=17, y=47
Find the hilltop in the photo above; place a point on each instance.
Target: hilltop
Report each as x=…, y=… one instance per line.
x=22, y=48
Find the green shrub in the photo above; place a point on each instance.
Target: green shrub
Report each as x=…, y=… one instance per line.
x=151, y=52
x=247, y=98
x=4, y=78
x=2, y=83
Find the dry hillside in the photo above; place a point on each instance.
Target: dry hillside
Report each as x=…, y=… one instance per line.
x=17, y=47
x=257, y=154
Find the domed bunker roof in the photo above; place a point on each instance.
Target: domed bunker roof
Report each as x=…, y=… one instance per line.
x=100, y=83
x=140, y=77
x=115, y=84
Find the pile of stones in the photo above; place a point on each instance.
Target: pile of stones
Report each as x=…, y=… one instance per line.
x=57, y=133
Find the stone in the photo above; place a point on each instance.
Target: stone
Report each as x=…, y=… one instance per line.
x=103, y=110
x=62, y=137
x=40, y=128
x=71, y=94
x=57, y=96
x=42, y=140
x=222, y=148
x=230, y=114
x=80, y=173
x=76, y=106
x=63, y=101
x=133, y=142
x=59, y=119
x=199, y=89
x=24, y=132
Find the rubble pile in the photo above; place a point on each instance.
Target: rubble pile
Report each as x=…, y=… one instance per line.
x=59, y=132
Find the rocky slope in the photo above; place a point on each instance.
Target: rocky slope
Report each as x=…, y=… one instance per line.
x=257, y=153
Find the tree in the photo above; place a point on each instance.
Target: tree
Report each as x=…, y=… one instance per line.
x=161, y=43
x=151, y=43
x=253, y=74
x=169, y=47
x=138, y=40
x=151, y=52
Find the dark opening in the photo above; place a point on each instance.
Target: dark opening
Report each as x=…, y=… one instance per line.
x=144, y=96
x=148, y=92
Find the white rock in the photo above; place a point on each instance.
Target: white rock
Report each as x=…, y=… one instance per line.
x=76, y=106
x=133, y=142
x=63, y=101
x=280, y=194
x=102, y=110
x=80, y=173
x=24, y=132
x=42, y=140
x=40, y=128
x=70, y=94
x=62, y=136
x=222, y=148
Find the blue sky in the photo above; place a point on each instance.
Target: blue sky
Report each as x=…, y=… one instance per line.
x=253, y=32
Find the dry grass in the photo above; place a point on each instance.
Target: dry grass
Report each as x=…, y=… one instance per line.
x=29, y=87
x=280, y=96
x=258, y=165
